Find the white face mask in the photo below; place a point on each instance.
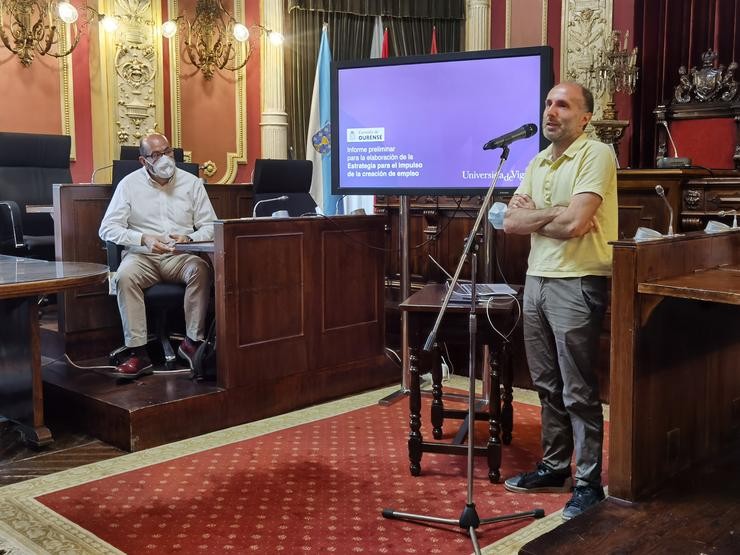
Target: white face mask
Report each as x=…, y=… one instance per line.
x=164, y=168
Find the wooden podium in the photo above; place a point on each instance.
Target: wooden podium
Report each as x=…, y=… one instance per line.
x=299, y=310
x=675, y=375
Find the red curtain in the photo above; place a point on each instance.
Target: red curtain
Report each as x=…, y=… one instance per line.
x=669, y=34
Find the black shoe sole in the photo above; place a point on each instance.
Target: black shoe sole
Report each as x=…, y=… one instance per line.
x=567, y=487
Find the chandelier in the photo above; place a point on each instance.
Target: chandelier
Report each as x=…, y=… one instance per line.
x=613, y=69
x=30, y=27
x=214, y=39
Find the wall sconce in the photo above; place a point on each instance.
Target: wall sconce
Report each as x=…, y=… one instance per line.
x=213, y=38
x=30, y=27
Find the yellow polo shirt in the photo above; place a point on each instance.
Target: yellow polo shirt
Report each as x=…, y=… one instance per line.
x=587, y=166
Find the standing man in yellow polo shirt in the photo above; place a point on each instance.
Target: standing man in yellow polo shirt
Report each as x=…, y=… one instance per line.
x=567, y=202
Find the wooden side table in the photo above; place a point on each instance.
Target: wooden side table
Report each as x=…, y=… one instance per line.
x=422, y=308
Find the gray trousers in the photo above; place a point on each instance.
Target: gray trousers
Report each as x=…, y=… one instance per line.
x=562, y=324
x=139, y=271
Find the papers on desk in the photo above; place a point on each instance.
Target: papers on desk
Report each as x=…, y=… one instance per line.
x=462, y=291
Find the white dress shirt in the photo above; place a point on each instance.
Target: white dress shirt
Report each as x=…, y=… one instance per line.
x=140, y=206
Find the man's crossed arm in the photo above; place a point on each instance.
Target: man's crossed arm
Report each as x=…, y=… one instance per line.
x=558, y=222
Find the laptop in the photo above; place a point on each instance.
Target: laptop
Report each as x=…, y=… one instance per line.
x=463, y=289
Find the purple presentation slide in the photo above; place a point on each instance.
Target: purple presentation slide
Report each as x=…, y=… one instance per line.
x=423, y=125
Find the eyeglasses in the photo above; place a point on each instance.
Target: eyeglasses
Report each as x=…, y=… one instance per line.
x=157, y=155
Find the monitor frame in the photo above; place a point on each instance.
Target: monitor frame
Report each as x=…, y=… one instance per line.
x=546, y=81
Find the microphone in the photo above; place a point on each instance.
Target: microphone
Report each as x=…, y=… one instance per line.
x=525, y=131
x=96, y=170
x=676, y=161
x=264, y=200
x=661, y=194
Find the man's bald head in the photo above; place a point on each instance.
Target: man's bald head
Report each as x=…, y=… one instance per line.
x=154, y=142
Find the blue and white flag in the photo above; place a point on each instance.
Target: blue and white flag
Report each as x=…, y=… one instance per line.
x=318, y=144
x=366, y=202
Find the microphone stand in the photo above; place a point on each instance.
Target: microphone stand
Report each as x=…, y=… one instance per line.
x=469, y=519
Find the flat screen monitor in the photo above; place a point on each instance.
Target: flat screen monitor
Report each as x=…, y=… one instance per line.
x=417, y=125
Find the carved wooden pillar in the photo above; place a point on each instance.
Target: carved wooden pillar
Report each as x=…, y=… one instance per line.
x=274, y=118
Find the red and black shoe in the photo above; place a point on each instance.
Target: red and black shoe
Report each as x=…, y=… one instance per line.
x=133, y=367
x=188, y=349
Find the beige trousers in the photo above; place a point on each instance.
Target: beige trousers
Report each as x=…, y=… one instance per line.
x=139, y=271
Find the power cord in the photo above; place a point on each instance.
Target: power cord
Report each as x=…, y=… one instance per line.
x=490, y=302
x=395, y=358
x=383, y=249
x=93, y=368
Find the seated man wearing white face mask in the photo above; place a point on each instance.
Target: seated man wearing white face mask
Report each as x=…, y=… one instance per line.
x=151, y=210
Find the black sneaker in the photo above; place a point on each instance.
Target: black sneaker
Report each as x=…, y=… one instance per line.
x=542, y=480
x=584, y=497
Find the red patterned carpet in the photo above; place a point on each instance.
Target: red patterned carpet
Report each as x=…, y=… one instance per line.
x=317, y=487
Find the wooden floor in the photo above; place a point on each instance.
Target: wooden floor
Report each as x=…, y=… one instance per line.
x=698, y=514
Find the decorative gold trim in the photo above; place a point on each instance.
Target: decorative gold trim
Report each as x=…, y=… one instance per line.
x=544, y=23
x=507, y=33
x=233, y=159
x=66, y=88
x=159, y=78
x=173, y=7
x=101, y=97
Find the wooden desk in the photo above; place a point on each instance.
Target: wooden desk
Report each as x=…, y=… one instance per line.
x=675, y=376
x=196, y=247
x=21, y=281
x=715, y=285
x=422, y=308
